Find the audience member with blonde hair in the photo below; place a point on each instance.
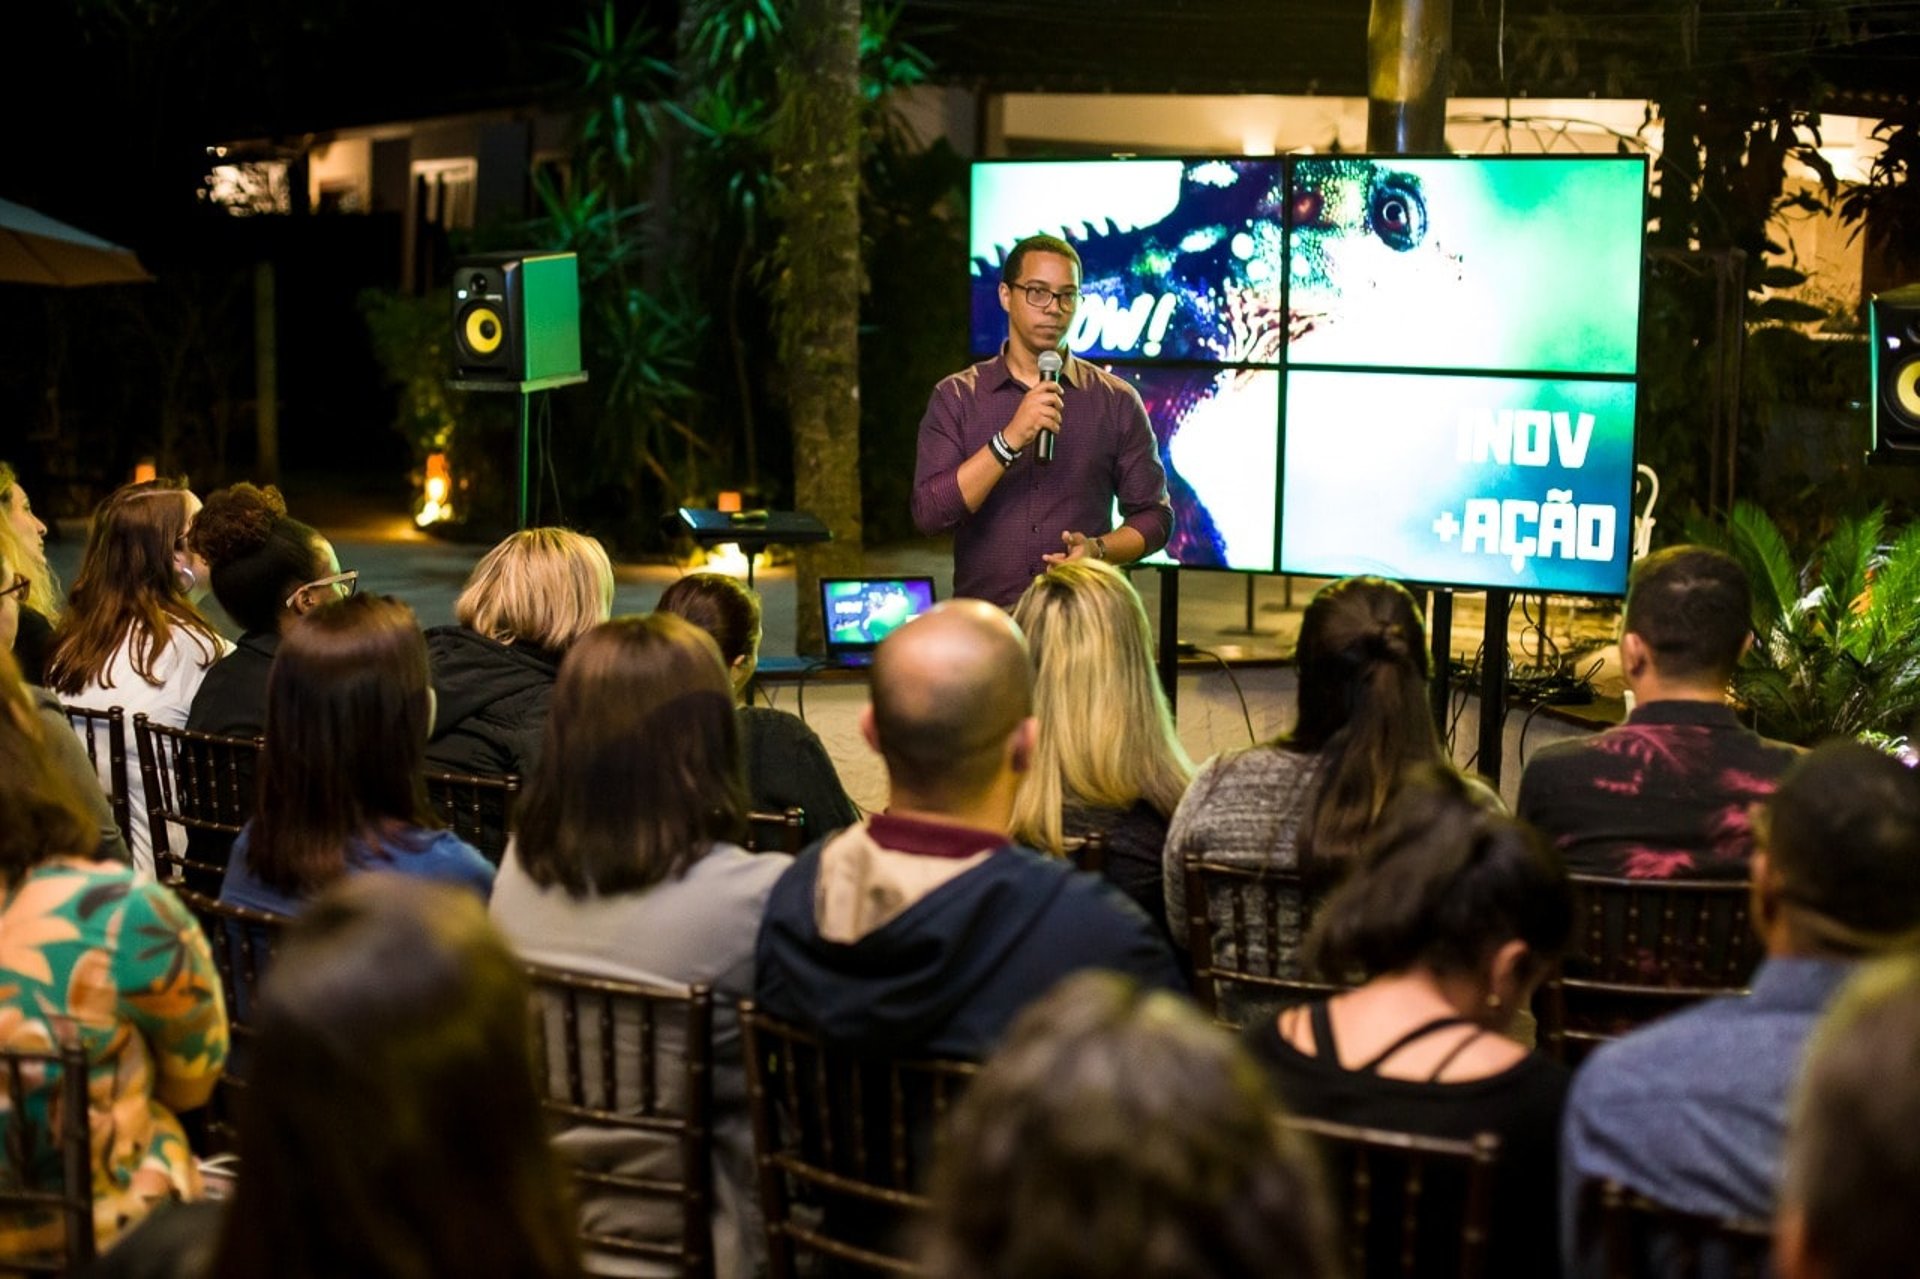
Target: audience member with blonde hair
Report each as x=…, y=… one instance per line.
x=525, y=604
x=132, y=635
x=23, y=540
x=1118, y=1133
x=627, y=864
x=342, y=783
x=1108, y=759
x=787, y=767
x=268, y=570
x=1852, y=1165
x=65, y=754
x=90, y=950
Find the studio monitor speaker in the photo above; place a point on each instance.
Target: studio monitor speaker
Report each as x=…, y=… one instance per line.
x=1896, y=376
x=516, y=316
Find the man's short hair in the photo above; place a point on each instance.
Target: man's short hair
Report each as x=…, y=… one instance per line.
x=1850, y=1152
x=1017, y=255
x=1842, y=838
x=1694, y=608
x=942, y=727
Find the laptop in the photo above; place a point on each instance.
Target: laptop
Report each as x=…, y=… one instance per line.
x=859, y=612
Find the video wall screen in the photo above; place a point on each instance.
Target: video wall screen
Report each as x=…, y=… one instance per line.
x=1312, y=336
x=1523, y=483
x=1219, y=436
x=1180, y=259
x=1491, y=263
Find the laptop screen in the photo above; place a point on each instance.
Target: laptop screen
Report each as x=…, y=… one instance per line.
x=861, y=611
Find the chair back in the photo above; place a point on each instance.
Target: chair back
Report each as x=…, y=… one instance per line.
x=617, y=1059
x=1410, y=1205
x=104, y=733
x=781, y=832
x=477, y=807
x=843, y=1143
x=1089, y=853
x=46, y=1122
x=201, y=783
x=1640, y=949
x=1635, y=1237
x=243, y=942
x=1245, y=929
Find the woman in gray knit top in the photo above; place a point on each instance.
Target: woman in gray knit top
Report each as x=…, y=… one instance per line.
x=1303, y=802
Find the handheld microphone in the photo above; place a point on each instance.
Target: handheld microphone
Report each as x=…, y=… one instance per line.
x=1050, y=363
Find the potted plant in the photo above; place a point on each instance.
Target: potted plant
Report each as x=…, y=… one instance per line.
x=1836, y=630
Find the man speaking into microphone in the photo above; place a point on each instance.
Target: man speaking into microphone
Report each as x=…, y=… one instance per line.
x=1022, y=456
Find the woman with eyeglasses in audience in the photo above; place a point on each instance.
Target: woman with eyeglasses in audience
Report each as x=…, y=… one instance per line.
x=1108, y=760
x=1119, y=1134
x=268, y=570
x=626, y=864
x=525, y=604
x=23, y=540
x=1306, y=801
x=93, y=953
x=132, y=635
x=392, y=1129
x=787, y=767
x=341, y=784
x=65, y=754
x=1452, y=917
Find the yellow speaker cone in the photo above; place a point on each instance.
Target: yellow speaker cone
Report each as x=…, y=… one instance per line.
x=483, y=330
x=1906, y=387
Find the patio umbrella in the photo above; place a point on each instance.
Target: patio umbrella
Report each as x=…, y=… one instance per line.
x=35, y=249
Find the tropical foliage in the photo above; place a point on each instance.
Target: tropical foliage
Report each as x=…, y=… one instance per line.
x=1837, y=627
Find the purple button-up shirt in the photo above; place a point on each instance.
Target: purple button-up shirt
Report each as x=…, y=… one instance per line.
x=1105, y=451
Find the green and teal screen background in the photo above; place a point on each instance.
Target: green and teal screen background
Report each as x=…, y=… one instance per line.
x=1417, y=367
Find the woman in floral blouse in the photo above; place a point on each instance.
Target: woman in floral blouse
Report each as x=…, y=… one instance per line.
x=88, y=950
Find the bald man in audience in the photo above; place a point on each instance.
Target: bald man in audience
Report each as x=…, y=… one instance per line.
x=925, y=930
x=1690, y=1111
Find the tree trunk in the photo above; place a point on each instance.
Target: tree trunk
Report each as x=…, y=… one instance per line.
x=816, y=148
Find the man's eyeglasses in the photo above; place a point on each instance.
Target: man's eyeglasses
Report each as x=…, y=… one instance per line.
x=1040, y=297
x=21, y=585
x=344, y=583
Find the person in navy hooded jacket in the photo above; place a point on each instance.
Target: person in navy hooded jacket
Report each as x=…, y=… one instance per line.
x=924, y=929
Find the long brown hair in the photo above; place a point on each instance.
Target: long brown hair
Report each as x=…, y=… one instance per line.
x=346, y=737
x=128, y=583
x=1363, y=667
x=640, y=770
x=393, y=1130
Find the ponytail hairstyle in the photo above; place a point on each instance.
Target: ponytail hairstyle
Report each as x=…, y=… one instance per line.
x=1443, y=883
x=1363, y=667
x=256, y=554
x=129, y=583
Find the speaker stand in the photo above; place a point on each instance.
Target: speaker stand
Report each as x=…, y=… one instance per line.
x=526, y=391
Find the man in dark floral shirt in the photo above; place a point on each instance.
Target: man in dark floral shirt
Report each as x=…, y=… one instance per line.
x=1666, y=794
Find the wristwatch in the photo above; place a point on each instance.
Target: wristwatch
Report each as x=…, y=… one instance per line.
x=1099, y=548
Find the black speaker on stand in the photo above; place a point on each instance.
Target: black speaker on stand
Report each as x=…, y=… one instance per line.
x=1895, y=321
x=516, y=329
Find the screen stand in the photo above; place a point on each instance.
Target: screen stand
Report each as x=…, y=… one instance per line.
x=1170, y=634
x=1493, y=686
x=1440, y=642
